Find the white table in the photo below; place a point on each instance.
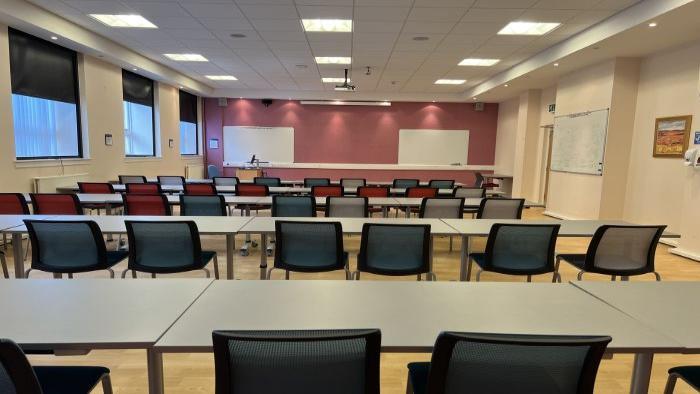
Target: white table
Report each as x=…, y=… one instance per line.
x=409, y=314
x=78, y=315
x=120, y=188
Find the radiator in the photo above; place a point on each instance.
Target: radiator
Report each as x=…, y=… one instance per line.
x=48, y=184
x=194, y=171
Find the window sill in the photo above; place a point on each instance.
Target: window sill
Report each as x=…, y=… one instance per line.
x=191, y=157
x=51, y=163
x=135, y=159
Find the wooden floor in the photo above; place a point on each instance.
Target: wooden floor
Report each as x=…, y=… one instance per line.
x=194, y=373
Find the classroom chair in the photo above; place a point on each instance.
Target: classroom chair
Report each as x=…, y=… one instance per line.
x=293, y=206
x=347, y=207
x=469, y=192
x=174, y=180
x=373, y=191
x=328, y=190
x=267, y=181
x=311, y=182
x=56, y=204
x=421, y=192
x=442, y=208
x=203, y=205
x=18, y=376
x=395, y=250
x=500, y=208
x=143, y=188
x=146, y=205
x=12, y=204
x=200, y=189
x=688, y=374
x=97, y=188
x=315, y=361
x=518, y=249
x=166, y=248
x=254, y=190
x=621, y=251
x=124, y=179
x=442, y=183
x=69, y=247
x=405, y=183
x=226, y=181
x=213, y=171
x=506, y=363
x=353, y=182
x=309, y=247
x=480, y=181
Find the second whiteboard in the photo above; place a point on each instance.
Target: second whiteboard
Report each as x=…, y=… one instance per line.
x=433, y=147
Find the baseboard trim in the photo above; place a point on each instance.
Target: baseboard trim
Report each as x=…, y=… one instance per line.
x=560, y=216
x=685, y=253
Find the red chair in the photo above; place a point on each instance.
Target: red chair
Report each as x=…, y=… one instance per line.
x=56, y=204
x=13, y=204
x=327, y=191
x=421, y=192
x=147, y=205
x=373, y=191
x=143, y=188
x=200, y=189
x=95, y=188
x=252, y=190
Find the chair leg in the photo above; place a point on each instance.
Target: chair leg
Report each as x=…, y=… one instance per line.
x=670, y=383
x=469, y=268
x=658, y=277
x=556, y=278
x=106, y=384
x=286, y=274
x=612, y=278
x=70, y=275
x=124, y=273
x=357, y=275
x=409, y=386
x=624, y=279
x=153, y=275
x=450, y=244
x=26, y=273
x=580, y=275
x=269, y=273
x=3, y=263
x=478, y=274
x=111, y=273
x=216, y=267
x=529, y=278
x=206, y=272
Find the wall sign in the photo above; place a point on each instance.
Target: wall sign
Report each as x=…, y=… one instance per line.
x=697, y=138
x=213, y=143
x=108, y=140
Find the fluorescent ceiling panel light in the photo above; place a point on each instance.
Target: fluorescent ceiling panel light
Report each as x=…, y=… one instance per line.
x=528, y=28
x=327, y=25
x=450, y=81
x=222, y=77
x=136, y=21
x=479, y=62
x=333, y=60
x=333, y=80
x=186, y=57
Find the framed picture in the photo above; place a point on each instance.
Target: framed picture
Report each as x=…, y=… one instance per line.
x=671, y=136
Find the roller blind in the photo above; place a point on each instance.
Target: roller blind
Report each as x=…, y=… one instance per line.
x=137, y=89
x=188, y=107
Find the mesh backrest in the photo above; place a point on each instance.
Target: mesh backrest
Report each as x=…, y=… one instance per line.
x=624, y=248
x=325, y=191
x=521, y=248
x=143, y=188
x=162, y=246
x=200, y=189
x=124, y=179
x=68, y=246
x=16, y=374
x=469, y=192
x=95, y=188
x=293, y=206
x=405, y=183
x=394, y=249
x=500, y=208
x=442, y=183
x=271, y=182
x=309, y=362
x=148, y=205
x=56, y=204
x=226, y=181
x=309, y=246
x=373, y=191
x=213, y=171
x=244, y=189
x=421, y=192
x=346, y=207
x=202, y=205
x=350, y=182
x=171, y=180
x=13, y=204
x=311, y=182
x=6, y=384
x=478, y=179
x=442, y=208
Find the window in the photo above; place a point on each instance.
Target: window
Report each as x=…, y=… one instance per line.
x=45, y=104
x=189, y=141
x=139, y=121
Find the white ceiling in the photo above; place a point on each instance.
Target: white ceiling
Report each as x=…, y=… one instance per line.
x=267, y=59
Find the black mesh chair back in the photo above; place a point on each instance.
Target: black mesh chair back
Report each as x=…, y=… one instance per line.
x=309, y=362
x=124, y=179
x=171, y=180
x=293, y=206
x=441, y=183
x=469, y=192
x=347, y=207
x=353, y=182
x=478, y=180
x=213, y=171
x=501, y=208
x=623, y=250
x=311, y=182
x=16, y=374
x=202, y=205
x=226, y=181
x=309, y=246
x=405, y=183
x=521, y=249
x=163, y=247
x=394, y=249
x=502, y=363
x=442, y=208
x=267, y=181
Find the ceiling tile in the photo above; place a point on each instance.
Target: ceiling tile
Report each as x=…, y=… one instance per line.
x=505, y=3
x=381, y=13
x=428, y=14
x=269, y=11
x=214, y=10
x=324, y=12
x=427, y=27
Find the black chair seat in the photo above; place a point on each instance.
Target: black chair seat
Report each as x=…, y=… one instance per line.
x=577, y=260
x=69, y=380
x=418, y=376
x=689, y=374
x=114, y=257
x=207, y=256
x=479, y=259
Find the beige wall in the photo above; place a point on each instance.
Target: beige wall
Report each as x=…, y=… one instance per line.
x=101, y=104
x=505, y=136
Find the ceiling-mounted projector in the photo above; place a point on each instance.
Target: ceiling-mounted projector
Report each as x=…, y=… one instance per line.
x=345, y=87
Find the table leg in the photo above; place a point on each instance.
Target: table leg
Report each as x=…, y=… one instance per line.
x=155, y=372
x=408, y=211
x=464, y=258
x=385, y=211
x=263, y=256
x=430, y=254
x=641, y=375
x=108, y=212
x=18, y=255
x=230, y=251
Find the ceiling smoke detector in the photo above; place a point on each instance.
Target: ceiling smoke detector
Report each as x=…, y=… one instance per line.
x=238, y=35
x=345, y=87
x=421, y=38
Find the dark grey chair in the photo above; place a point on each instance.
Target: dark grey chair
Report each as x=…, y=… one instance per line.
x=213, y=171
x=500, y=208
x=688, y=374
x=469, y=192
x=267, y=181
x=17, y=376
x=309, y=362
x=395, y=250
x=70, y=247
x=173, y=180
x=347, y=207
x=405, y=183
x=518, y=249
x=311, y=182
x=618, y=251
x=226, y=181
x=293, y=206
x=124, y=179
x=166, y=248
x=442, y=183
x=353, y=182
x=504, y=364
x=442, y=208
x=202, y=205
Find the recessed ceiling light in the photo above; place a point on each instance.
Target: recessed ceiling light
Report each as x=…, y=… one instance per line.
x=54, y=38
x=124, y=21
x=506, y=85
x=333, y=80
x=433, y=100
x=450, y=81
x=478, y=62
x=333, y=60
x=237, y=35
x=528, y=28
x=181, y=87
x=186, y=57
x=473, y=98
x=301, y=66
x=134, y=69
x=555, y=64
x=653, y=24
x=421, y=38
x=222, y=77
x=327, y=25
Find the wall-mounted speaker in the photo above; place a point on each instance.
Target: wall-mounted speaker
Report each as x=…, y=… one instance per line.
x=478, y=107
x=223, y=102
x=266, y=102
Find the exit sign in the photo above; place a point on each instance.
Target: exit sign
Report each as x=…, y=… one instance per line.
x=551, y=108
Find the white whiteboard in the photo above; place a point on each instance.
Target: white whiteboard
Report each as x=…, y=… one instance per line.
x=433, y=147
x=578, y=143
x=272, y=144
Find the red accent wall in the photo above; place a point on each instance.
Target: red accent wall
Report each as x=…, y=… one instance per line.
x=354, y=134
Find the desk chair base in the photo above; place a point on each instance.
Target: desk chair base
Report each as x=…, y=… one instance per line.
x=623, y=278
x=268, y=275
x=59, y=275
x=430, y=276
x=153, y=274
x=556, y=277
